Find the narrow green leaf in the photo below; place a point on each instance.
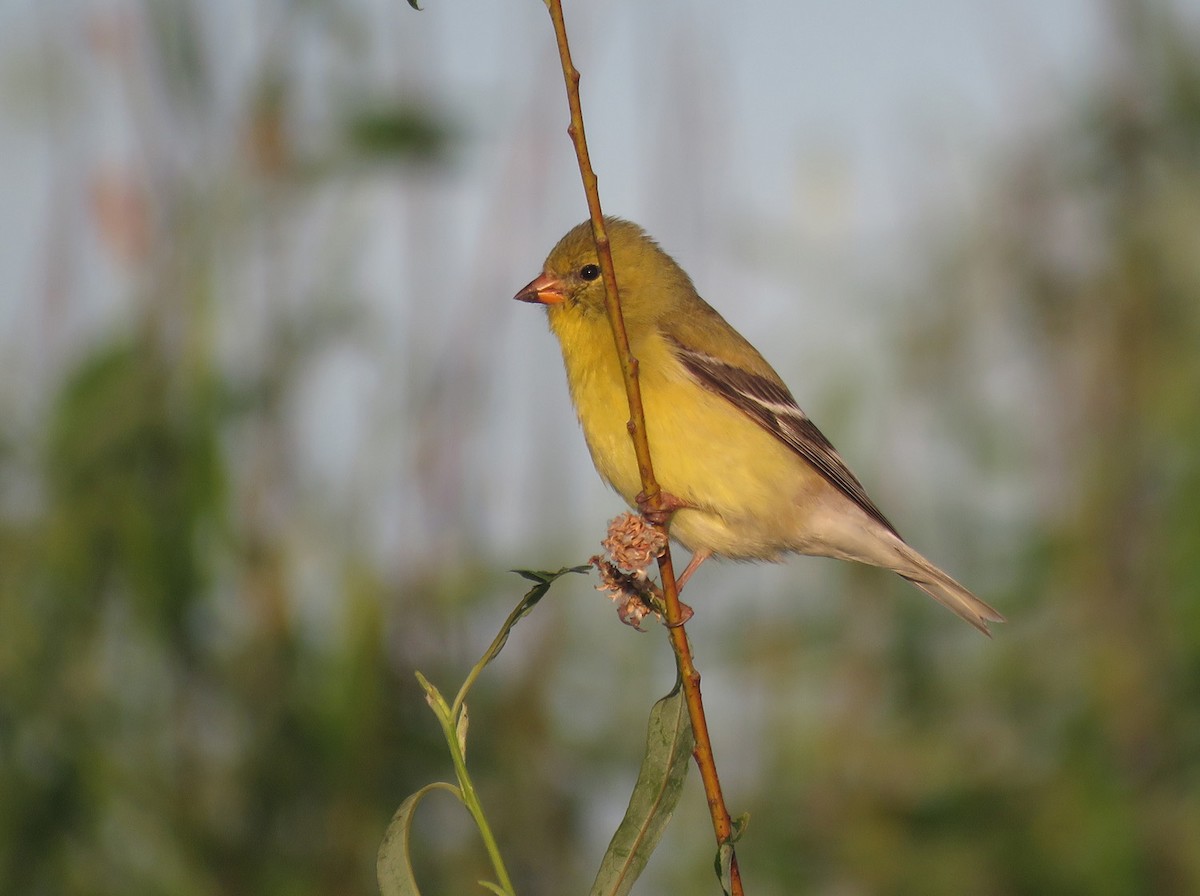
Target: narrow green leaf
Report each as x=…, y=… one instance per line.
x=544, y=580
x=393, y=865
x=492, y=888
x=413, y=4
x=528, y=602
x=659, y=785
x=545, y=577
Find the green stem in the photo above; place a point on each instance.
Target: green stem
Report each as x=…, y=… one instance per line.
x=448, y=718
x=488, y=655
x=471, y=801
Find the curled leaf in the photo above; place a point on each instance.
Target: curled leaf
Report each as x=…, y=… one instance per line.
x=393, y=864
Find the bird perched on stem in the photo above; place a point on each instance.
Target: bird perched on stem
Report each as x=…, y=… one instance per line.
x=747, y=475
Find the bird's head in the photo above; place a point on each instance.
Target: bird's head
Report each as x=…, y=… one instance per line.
x=649, y=280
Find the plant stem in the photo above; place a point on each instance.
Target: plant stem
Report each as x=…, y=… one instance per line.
x=471, y=801
x=722, y=825
x=449, y=720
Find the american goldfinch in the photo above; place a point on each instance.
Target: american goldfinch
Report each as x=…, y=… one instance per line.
x=747, y=475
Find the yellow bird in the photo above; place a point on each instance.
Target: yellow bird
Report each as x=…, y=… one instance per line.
x=747, y=475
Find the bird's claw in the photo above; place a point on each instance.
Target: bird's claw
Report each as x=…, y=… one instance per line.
x=661, y=509
x=685, y=613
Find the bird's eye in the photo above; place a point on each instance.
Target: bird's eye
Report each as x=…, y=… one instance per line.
x=589, y=271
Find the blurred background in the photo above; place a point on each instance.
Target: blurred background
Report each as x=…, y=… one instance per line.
x=274, y=433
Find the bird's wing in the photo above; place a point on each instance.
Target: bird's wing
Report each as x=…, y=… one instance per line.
x=769, y=404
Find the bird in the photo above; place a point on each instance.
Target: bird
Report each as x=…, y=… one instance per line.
x=744, y=473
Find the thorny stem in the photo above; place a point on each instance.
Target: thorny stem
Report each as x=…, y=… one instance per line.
x=722, y=825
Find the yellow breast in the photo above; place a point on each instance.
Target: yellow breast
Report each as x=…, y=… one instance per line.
x=704, y=450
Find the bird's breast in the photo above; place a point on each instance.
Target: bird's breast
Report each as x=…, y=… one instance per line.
x=705, y=451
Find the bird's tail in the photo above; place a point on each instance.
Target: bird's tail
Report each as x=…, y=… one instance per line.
x=945, y=590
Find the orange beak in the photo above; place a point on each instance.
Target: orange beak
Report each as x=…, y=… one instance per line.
x=543, y=289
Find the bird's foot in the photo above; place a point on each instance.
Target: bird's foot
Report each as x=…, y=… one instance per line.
x=660, y=510
x=685, y=613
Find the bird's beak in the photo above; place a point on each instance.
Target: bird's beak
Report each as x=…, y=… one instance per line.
x=543, y=289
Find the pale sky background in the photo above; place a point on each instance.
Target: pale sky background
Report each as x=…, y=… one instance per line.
x=798, y=158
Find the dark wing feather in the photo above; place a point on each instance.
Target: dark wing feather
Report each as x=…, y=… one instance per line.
x=770, y=405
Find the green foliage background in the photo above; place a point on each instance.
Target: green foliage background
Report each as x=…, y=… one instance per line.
x=172, y=720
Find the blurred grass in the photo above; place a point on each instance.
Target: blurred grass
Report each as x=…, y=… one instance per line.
x=207, y=684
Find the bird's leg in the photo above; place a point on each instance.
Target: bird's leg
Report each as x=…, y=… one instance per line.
x=685, y=612
x=693, y=564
